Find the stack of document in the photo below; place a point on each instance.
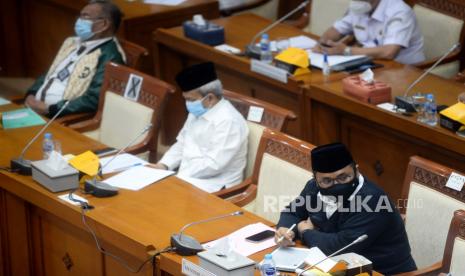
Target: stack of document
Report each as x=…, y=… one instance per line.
x=137, y=178
x=291, y=258
x=121, y=163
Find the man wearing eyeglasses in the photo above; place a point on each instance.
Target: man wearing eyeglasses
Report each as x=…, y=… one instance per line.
x=339, y=205
x=76, y=74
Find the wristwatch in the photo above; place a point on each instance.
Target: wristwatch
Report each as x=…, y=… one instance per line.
x=348, y=51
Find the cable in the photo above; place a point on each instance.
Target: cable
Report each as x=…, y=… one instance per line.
x=85, y=207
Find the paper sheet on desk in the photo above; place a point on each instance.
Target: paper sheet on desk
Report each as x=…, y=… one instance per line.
x=315, y=256
x=122, y=162
x=316, y=59
x=164, y=2
x=4, y=101
x=137, y=178
x=301, y=41
x=243, y=247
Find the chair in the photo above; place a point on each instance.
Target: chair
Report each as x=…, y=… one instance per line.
x=323, y=13
x=429, y=209
x=274, y=117
x=264, y=8
x=454, y=253
x=134, y=53
x=442, y=25
x=119, y=119
x=282, y=168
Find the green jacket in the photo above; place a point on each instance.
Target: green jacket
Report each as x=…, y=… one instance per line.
x=88, y=101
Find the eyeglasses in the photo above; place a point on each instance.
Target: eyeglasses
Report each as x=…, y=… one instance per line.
x=340, y=179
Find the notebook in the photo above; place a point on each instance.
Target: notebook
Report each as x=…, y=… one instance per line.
x=23, y=117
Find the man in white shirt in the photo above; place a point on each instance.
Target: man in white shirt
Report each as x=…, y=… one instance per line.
x=385, y=29
x=211, y=148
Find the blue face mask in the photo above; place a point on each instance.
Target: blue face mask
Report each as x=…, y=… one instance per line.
x=196, y=107
x=83, y=29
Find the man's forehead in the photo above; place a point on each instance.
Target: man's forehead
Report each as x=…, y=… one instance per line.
x=91, y=9
x=346, y=169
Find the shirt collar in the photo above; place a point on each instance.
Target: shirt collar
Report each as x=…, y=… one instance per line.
x=92, y=43
x=212, y=113
x=379, y=14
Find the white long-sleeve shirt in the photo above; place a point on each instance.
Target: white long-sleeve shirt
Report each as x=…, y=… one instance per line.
x=211, y=150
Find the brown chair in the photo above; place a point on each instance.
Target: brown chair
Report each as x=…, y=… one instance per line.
x=428, y=206
x=134, y=53
x=119, y=119
x=282, y=168
x=454, y=253
x=442, y=25
x=274, y=117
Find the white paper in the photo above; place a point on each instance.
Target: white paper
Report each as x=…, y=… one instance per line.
x=387, y=106
x=316, y=59
x=303, y=42
x=228, y=49
x=122, y=162
x=289, y=258
x=164, y=2
x=315, y=256
x=243, y=247
x=455, y=181
x=65, y=197
x=255, y=114
x=4, y=101
x=137, y=178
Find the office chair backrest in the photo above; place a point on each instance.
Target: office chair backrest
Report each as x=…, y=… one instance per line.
x=323, y=14
x=430, y=209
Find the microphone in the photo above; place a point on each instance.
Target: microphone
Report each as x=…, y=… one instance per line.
x=358, y=240
x=23, y=166
x=100, y=188
x=406, y=102
x=186, y=245
x=252, y=50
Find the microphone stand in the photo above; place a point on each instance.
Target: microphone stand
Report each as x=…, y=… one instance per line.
x=359, y=239
x=100, y=188
x=252, y=50
x=406, y=102
x=23, y=166
x=186, y=245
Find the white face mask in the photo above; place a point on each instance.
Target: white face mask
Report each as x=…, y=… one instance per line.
x=360, y=7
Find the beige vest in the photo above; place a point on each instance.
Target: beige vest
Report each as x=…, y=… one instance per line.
x=84, y=70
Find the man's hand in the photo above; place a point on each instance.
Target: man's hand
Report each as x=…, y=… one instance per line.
x=38, y=106
x=159, y=166
x=335, y=48
x=287, y=237
x=305, y=225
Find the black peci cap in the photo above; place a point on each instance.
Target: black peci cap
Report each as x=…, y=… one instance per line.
x=330, y=158
x=196, y=76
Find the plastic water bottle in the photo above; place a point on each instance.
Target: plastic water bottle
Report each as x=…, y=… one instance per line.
x=47, y=145
x=326, y=69
x=265, y=51
x=430, y=110
x=268, y=267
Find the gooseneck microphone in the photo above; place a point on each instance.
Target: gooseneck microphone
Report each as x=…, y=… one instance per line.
x=406, y=102
x=100, y=188
x=358, y=240
x=23, y=166
x=186, y=245
x=252, y=50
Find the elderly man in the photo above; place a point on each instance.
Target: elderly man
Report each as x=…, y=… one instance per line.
x=211, y=148
x=339, y=205
x=77, y=71
x=385, y=29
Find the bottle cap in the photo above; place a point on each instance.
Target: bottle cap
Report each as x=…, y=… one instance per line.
x=48, y=135
x=265, y=35
x=430, y=96
x=268, y=257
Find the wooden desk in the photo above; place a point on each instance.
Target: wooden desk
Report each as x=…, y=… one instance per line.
x=381, y=141
x=37, y=28
x=173, y=52
x=42, y=235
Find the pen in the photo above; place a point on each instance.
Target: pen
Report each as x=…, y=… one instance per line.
x=127, y=167
x=287, y=232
